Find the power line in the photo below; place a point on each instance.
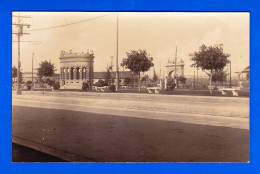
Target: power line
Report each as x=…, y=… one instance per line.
x=58, y=26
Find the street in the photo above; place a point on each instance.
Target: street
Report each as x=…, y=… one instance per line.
x=120, y=128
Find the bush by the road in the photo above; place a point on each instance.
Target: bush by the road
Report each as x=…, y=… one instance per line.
x=85, y=86
x=56, y=85
x=112, y=88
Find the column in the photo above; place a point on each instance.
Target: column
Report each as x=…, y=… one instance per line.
x=65, y=74
x=74, y=73
x=68, y=73
x=80, y=73
x=61, y=73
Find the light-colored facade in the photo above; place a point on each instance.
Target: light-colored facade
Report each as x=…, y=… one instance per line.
x=76, y=68
x=171, y=66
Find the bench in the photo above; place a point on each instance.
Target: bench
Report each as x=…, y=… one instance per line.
x=102, y=89
x=234, y=91
x=124, y=87
x=212, y=87
x=153, y=90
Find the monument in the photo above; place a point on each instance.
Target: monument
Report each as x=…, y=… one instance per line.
x=75, y=69
x=173, y=71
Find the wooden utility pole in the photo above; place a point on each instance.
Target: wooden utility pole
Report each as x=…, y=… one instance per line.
x=230, y=83
x=194, y=80
x=117, y=73
x=19, y=33
x=197, y=77
x=175, y=69
x=32, y=67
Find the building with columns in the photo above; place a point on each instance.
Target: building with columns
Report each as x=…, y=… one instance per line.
x=76, y=68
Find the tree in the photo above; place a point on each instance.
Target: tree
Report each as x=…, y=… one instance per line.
x=182, y=80
x=210, y=59
x=50, y=82
x=108, y=75
x=46, y=69
x=127, y=80
x=155, y=77
x=29, y=85
x=14, y=73
x=101, y=83
x=138, y=61
x=219, y=76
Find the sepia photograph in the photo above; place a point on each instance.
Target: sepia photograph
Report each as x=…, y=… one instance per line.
x=130, y=87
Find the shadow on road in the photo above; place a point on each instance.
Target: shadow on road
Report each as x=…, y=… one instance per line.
x=25, y=154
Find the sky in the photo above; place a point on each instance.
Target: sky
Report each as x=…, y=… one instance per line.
x=159, y=33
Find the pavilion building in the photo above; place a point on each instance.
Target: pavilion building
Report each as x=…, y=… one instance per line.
x=75, y=69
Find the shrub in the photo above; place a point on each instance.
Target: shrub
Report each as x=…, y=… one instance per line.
x=56, y=85
x=29, y=85
x=112, y=88
x=85, y=86
x=100, y=83
x=50, y=82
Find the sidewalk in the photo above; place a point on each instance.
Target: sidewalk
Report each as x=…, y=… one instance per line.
x=141, y=96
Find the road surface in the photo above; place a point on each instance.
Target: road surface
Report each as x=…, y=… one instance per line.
x=128, y=129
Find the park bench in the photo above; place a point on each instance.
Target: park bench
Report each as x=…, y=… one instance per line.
x=224, y=90
x=153, y=90
x=212, y=87
x=124, y=87
x=102, y=89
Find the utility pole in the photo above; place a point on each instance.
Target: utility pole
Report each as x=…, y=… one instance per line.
x=111, y=68
x=197, y=77
x=32, y=68
x=19, y=33
x=230, y=83
x=175, y=78
x=117, y=74
x=194, y=80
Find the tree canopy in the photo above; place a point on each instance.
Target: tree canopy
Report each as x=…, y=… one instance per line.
x=108, y=75
x=219, y=76
x=138, y=61
x=14, y=72
x=46, y=69
x=210, y=59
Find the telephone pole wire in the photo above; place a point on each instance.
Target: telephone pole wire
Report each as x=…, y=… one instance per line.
x=19, y=33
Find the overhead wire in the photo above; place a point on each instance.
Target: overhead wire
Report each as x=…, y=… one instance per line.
x=72, y=23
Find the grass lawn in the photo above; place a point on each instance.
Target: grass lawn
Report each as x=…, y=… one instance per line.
x=193, y=92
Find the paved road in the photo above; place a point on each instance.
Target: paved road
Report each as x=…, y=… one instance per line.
x=119, y=129
x=25, y=154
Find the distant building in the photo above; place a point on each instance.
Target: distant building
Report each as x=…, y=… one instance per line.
x=28, y=76
x=122, y=76
x=243, y=77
